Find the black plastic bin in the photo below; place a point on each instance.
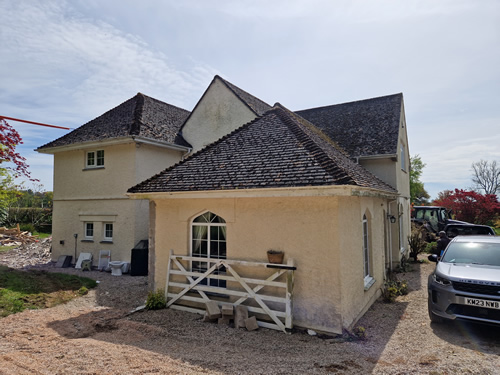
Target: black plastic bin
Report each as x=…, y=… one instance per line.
x=139, y=259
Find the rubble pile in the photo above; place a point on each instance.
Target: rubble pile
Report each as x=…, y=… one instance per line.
x=28, y=250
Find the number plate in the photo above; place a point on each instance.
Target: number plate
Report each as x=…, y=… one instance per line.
x=482, y=303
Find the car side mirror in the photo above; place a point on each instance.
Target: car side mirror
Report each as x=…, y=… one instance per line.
x=433, y=258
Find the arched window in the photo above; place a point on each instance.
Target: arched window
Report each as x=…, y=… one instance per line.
x=366, y=249
x=208, y=240
x=367, y=252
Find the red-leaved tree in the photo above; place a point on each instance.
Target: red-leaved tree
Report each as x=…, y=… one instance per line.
x=471, y=206
x=9, y=139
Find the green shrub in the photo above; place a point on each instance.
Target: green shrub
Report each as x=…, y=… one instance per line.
x=83, y=291
x=431, y=248
x=156, y=300
x=394, y=288
x=359, y=332
x=416, y=241
x=27, y=228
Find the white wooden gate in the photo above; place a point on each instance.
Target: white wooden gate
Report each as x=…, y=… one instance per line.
x=244, y=289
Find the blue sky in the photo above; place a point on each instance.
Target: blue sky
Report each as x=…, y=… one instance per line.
x=67, y=62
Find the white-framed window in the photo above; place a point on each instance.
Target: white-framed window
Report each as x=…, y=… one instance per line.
x=367, y=268
x=208, y=240
x=366, y=249
x=94, y=159
x=108, y=231
x=89, y=231
x=403, y=157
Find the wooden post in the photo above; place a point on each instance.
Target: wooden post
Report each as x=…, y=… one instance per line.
x=168, y=273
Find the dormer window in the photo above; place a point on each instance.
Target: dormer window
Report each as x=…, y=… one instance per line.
x=95, y=159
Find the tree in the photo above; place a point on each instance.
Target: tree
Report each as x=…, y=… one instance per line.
x=471, y=206
x=486, y=176
x=9, y=139
x=418, y=194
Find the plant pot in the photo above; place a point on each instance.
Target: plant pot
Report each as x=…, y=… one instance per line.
x=275, y=256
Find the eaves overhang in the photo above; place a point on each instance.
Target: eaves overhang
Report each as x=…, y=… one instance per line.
x=393, y=157
x=307, y=191
x=111, y=142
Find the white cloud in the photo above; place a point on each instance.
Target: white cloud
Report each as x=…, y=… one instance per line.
x=73, y=62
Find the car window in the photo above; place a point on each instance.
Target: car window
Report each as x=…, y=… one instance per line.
x=473, y=253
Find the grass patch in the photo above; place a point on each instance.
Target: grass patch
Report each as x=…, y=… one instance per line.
x=4, y=249
x=20, y=290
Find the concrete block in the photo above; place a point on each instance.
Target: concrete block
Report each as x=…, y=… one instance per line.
x=227, y=310
x=251, y=324
x=240, y=315
x=225, y=320
x=212, y=309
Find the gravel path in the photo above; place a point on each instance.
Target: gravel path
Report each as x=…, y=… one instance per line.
x=94, y=335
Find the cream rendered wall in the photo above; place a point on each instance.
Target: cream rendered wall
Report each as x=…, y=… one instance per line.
x=311, y=230
x=72, y=180
x=391, y=172
x=383, y=168
x=69, y=218
x=218, y=113
x=404, y=186
x=99, y=194
x=149, y=160
x=355, y=298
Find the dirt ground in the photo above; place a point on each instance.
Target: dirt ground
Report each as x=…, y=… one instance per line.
x=95, y=334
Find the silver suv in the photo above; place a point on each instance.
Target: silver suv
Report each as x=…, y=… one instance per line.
x=466, y=281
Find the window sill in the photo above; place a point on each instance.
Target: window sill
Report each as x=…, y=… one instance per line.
x=369, y=281
x=106, y=241
x=87, y=240
x=91, y=168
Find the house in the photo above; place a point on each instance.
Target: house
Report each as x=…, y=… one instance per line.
x=329, y=186
x=95, y=164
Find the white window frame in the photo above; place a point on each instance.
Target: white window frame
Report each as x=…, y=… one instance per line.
x=97, y=160
x=403, y=157
x=209, y=225
x=86, y=230
x=105, y=231
x=367, y=268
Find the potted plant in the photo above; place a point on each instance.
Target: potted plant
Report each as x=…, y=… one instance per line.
x=275, y=256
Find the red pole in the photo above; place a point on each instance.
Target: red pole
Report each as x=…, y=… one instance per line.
x=34, y=123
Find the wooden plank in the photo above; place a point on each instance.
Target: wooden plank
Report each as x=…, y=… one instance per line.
x=190, y=279
x=276, y=284
x=169, y=270
x=256, y=289
x=231, y=261
x=188, y=309
x=193, y=284
x=256, y=298
x=229, y=292
x=233, y=276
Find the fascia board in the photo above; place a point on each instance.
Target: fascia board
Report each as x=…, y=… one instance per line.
x=267, y=193
x=111, y=142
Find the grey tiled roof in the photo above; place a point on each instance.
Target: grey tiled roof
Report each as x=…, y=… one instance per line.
x=139, y=116
x=362, y=128
x=280, y=149
x=256, y=105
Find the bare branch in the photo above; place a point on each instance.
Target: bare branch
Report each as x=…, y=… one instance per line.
x=486, y=176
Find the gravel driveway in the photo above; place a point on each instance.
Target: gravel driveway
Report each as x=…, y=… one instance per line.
x=94, y=335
